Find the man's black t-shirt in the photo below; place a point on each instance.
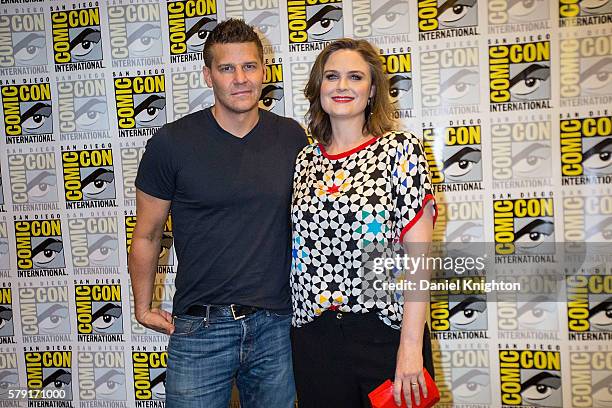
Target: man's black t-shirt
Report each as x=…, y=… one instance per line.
x=230, y=207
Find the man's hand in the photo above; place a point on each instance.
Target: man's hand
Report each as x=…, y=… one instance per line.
x=156, y=319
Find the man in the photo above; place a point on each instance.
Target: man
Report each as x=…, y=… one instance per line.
x=226, y=174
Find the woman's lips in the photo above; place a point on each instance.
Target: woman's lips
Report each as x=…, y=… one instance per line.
x=342, y=99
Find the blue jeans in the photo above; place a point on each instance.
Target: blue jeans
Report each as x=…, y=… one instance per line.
x=205, y=359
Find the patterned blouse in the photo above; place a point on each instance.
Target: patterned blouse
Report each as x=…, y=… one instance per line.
x=373, y=193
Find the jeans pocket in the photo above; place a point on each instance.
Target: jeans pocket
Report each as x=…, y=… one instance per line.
x=184, y=326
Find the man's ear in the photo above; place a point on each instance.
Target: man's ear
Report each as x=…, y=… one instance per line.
x=207, y=76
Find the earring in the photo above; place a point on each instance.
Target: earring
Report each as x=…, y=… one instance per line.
x=368, y=109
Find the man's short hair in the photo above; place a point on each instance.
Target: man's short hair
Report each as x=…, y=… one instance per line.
x=231, y=31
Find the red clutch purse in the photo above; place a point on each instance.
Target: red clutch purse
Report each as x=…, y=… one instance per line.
x=382, y=396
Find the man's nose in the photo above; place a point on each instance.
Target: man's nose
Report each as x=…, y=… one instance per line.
x=240, y=75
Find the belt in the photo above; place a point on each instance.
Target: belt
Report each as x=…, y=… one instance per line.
x=211, y=311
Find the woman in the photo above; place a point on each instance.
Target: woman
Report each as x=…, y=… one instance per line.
x=363, y=182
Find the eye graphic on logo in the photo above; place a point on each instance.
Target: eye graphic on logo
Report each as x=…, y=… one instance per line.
x=520, y=9
x=537, y=313
x=533, y=234
x=323, y=21
x=89, y=116
x=105, y=317
x=41, y=186
x=143, y=39
x=529, y=161
x=602, y=392
x=102, y=249
x=46, y=251
x=204, y=99
x=596, y=6
x=6, y=314
x=52, y=318
x=399, y=86
x=540, y=387
x=198, y=33
x=149, y=109
x=600, y=232
x=529, y=80
x=467, y=312
x=109, y=384
x=467, y=232
x=265, y=23
x=459, y=85
x=597, y=78
x=29, y=49
x=3, y=247
x=461, y=163
x=158, y=386
x=598, y=159
x=470, y=384
x=600, y=316
x=270, y=96
x=388, y=16
x=457, y=13
x=8, y=380
x=59, y=379
x=166, y=244
x=84, y=43
x=97, y=182
x=35, y=117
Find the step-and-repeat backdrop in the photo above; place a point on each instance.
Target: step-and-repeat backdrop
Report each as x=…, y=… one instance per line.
x=512, y=99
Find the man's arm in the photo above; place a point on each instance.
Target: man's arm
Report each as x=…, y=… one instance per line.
x=151, y=214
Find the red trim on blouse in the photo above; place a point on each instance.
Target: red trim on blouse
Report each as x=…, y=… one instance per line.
x=418, y=215
x=348, y=152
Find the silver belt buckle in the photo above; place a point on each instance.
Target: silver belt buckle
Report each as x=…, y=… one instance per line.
x=234, y=313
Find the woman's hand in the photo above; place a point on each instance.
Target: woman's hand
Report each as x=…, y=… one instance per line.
x=409, y=374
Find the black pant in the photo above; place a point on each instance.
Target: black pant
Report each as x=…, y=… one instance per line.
x=338, y=361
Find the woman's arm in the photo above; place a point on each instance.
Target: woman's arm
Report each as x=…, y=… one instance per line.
x=409, y=364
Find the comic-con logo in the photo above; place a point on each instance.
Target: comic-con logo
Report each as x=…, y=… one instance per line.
x=454, y=155
x=2, y=209
x=83, y=111
x=7, y=328
x=589, y=307
x=93, y=243
x=77, y=38
x=140, y=103
x=313, y=21
x=300, y=71
x=44, y=311
x=580, y=13
x=28, y=113
x=149, y=374
x=450, y=81
x=459, y=222
x=586, y=150
x=89, y=178
x=39, y=245
x=456, y=307
x=584, y=70
x=130, y=158
x=99, y=312
x=521, y=151
x=465, y=376
x=50, y=371
x=189, y=23
x=587, y=218
x=189, y=92
x=33, y=179
x=9, y=374
x=135, y=34
x=523, y=225
x=503, y=12
x=590, y=378
x=273, y=91
x=398, y=67
x=373, y=18
x=101, y=375
x=166, y=254
x=519, y=76
x=5, y=262
x=263, y=15
x=444, y=19
x=23, y=41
